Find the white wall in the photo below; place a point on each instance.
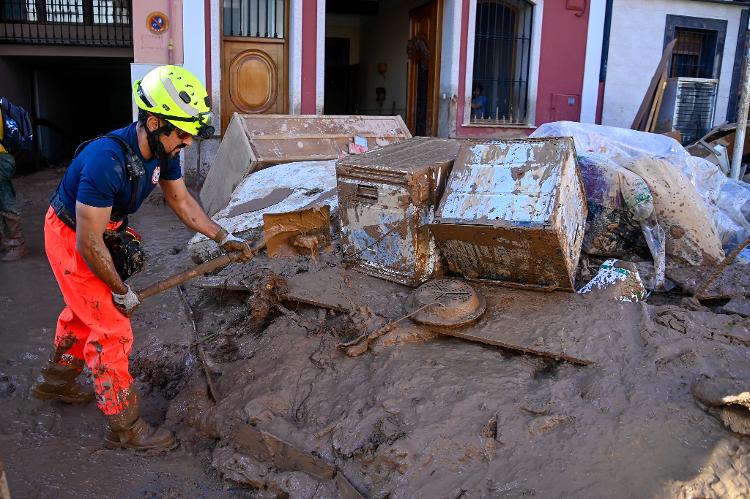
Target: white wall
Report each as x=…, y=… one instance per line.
x=636, y=45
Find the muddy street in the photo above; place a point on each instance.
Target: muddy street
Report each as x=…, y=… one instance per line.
x=54, y=450
x=414, y=414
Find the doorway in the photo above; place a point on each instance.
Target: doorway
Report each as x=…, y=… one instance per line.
x=254, y=57
x=423, y=50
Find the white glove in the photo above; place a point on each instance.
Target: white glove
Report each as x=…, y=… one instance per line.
x=126, y=302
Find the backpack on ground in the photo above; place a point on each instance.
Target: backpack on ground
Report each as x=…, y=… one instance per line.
x=18, y=134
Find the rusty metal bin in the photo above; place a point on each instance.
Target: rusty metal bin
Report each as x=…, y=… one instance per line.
x=386, y=199
x=514, y=211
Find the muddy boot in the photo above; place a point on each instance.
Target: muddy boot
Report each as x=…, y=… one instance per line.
x=58, y=382
x=13, y=238
x=127, y=430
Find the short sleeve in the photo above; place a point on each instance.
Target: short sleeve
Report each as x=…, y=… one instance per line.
x=173, y=170
x=102, y=177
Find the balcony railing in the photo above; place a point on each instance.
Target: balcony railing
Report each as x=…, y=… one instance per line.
x=87, y=23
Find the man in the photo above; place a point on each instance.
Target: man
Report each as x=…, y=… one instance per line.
x=99, y=189
x=10, y=216
x=478, y=102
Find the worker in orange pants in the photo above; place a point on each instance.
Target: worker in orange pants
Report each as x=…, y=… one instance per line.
x=90, y=329
x=108, y=180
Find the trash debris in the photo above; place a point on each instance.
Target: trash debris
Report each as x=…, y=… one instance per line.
x=256, y=141
x=277, y=189
x=447, y=303
x=301, y=232
x=514, y=211
x=726, y=399
x=733, y=281
x=617, y=280
x=738, y=305
x=386, y=198
x=727, y=200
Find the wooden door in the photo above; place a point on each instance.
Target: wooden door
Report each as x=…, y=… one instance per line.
x=254, y=58
x=423, y=50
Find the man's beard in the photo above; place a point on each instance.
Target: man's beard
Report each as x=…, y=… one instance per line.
x=157, y=148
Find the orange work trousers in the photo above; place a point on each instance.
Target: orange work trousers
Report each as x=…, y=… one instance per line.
x=90, y=329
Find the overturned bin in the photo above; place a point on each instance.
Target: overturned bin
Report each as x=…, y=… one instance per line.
x=387, y=198
x=514, y=211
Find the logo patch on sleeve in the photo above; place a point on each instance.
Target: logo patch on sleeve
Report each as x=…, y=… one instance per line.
x=155, y=176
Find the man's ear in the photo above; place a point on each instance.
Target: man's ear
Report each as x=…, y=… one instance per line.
x=152, y=123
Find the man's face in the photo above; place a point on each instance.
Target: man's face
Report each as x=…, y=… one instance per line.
x=175, y=141
x=172, y=142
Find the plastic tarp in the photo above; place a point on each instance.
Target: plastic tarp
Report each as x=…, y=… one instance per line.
x=727, y=200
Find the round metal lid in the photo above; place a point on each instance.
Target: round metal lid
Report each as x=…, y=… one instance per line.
x=447, y=303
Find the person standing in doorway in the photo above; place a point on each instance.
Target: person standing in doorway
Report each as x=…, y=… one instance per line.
x=10, y=215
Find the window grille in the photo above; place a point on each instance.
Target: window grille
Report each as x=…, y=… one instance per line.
x=693, y=54
x=502, y=56
x=254, y=18
x=64, y=11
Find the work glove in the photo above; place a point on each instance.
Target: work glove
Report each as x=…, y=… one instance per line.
x=231, y=243
x=127, y=302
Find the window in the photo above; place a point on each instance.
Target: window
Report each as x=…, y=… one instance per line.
x=502, y=54
x=18, y=10
x=111, y=12
x=693, y=54
x=64, y=11
x=254, y=18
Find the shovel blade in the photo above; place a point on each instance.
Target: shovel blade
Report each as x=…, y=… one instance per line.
x=302, y=232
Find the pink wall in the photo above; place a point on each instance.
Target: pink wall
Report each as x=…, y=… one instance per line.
x=561, y=67
x=162, y=48
x=309, y=53
x=562, y=60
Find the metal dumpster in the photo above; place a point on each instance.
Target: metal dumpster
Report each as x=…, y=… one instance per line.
x=386, y=199
x=514, y=211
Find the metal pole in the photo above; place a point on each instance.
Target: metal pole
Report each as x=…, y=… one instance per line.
x=739, y=139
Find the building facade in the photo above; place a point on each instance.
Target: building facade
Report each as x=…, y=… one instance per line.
x=450, y=68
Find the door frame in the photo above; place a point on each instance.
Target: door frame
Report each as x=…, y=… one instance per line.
x=223, y=75
x=435, y=97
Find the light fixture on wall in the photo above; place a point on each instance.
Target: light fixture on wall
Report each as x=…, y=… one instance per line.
x=382, y=68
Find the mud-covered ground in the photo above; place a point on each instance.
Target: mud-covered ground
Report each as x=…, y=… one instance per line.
x=419, y=415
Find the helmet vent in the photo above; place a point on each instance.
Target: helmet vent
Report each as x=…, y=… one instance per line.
x=184, y=96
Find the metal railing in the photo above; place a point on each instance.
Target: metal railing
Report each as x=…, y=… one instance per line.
x=91, y=23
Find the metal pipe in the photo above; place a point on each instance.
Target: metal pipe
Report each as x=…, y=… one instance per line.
x=739, y=139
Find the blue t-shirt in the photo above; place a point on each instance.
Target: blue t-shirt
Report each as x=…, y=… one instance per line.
x=97, y=176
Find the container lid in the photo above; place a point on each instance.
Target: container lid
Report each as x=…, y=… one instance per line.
x=408, y=156
x=514, y=181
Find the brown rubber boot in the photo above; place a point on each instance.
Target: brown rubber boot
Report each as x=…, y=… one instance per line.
x=13, y=239
x=58, y=382
x=127, y=430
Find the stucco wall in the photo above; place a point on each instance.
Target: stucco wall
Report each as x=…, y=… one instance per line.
x=636, y=44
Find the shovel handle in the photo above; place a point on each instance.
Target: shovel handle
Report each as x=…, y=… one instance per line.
x=203, y=268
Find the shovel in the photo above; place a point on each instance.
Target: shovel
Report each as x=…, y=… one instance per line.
x=284, y=234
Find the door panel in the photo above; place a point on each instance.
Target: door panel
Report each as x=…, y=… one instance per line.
x=423, y=68
x=254, y=56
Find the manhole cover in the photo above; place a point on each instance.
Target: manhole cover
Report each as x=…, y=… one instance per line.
x=447, y=303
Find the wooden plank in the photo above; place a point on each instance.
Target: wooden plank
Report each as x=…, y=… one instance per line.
x=648, y=98
x=552, y=325
x=266, y=447
x=348, y=290
x=654, y=114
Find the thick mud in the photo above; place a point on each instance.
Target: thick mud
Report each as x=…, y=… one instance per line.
x=418, y=415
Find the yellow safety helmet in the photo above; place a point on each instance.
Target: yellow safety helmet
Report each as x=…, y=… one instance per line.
x=174, y=94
